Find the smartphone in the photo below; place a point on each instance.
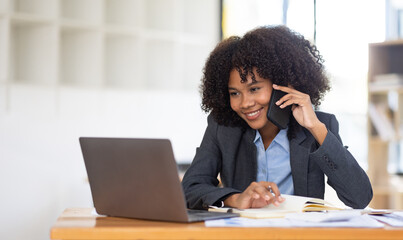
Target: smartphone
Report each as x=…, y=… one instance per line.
x=279, y=116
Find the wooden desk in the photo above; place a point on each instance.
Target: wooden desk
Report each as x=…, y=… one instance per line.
x=79, y=223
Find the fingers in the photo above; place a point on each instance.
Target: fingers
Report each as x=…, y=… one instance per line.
x=273, y=188
x=266, y=191
x=288, y=89
x=257, y=194
x=301, y=106
x=293, y=97
x=300, y=99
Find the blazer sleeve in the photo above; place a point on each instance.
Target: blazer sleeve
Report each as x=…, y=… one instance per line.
x=349, y=180
x=200, y=183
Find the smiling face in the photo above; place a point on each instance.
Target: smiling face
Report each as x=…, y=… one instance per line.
x=250, y=100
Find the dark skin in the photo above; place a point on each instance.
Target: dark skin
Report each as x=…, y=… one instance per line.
x=250, y=101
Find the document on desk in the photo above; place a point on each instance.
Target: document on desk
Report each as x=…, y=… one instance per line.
x=331, y=216
x=353, y=221
x=394, y=219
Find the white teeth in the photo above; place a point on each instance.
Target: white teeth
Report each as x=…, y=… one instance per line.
x=252, y=114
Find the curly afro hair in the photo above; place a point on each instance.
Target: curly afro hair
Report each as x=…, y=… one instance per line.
x=277, y=53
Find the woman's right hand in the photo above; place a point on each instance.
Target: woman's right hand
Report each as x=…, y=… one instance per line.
x=258, y=194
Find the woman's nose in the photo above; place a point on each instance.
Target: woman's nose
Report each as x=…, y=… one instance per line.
x=247, y=102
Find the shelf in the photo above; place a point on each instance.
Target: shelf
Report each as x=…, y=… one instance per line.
x=385, y=89
x=77, y=24
x=31, y=19
x=33, y=53
x=43, y=8
x=123, y=62
x=377, y=140
x=89, y=11
x=124, y=13
x=387, y=43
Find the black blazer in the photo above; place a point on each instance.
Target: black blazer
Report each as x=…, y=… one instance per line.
x=231, y=152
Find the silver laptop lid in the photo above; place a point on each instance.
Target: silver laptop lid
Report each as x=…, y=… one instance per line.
x=135, y=178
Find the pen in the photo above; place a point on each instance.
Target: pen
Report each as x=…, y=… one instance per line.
x=232, y=210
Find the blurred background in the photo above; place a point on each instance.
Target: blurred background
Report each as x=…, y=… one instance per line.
x=131, y=68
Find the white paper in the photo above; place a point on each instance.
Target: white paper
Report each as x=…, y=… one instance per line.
x=291, y=204
x=400, y=214
x=393, y=219
x=362, y=221
x=331, y=216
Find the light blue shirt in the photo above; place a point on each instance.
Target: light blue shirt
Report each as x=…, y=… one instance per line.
x=273, y=164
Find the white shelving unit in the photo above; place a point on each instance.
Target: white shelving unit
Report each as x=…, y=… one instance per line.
x=102, y=44
x=385, y=137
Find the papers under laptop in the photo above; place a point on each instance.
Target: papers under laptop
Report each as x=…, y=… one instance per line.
x=137, y=178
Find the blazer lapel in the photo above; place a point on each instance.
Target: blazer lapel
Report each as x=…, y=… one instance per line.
x=299, y=157
x=251, y=169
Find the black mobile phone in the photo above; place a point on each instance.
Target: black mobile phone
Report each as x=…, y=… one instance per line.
x=279, y=116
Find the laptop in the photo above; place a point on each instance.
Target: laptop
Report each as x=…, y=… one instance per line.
x=138, y=178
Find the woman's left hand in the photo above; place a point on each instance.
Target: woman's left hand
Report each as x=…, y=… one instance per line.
x=302, y=110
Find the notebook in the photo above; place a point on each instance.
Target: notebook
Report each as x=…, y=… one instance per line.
x=138, y=178
x=292, y=204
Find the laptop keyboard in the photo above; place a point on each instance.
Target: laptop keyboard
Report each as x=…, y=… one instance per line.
x=201, y=215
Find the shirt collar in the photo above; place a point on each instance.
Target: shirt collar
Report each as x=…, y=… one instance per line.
x=281, y=138
x=257, y=136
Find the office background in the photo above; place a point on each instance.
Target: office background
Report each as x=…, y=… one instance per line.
x=131, y=68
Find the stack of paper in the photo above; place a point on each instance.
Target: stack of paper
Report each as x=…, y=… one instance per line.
x=394, y=219
x=346, y=218
x=360, y=221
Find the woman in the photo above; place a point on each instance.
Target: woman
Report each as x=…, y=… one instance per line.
x=256, y=160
